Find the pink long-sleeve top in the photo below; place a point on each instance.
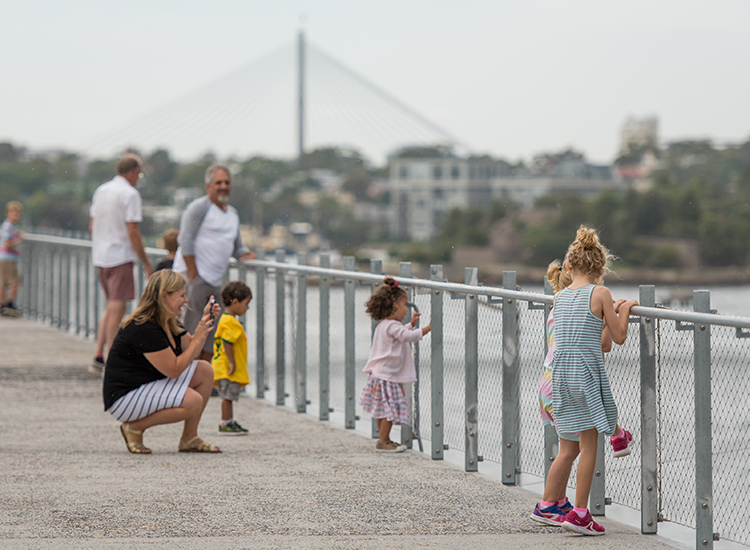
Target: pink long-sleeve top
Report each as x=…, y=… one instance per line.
x=390, y=356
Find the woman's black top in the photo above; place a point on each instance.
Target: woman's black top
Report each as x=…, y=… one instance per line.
x=127, y=369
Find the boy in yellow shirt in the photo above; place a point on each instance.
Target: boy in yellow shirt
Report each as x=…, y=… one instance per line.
x=230, y=353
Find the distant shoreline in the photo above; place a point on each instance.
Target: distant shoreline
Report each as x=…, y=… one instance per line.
x=493, y=275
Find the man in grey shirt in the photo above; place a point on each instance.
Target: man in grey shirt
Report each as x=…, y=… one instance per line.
x=209, y=236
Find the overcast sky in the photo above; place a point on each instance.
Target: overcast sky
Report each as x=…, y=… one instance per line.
x=509, y=78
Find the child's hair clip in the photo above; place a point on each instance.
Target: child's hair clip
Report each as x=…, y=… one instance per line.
x=395, y=284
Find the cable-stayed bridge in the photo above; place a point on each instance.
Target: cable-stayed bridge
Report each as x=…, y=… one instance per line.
x=294, y=99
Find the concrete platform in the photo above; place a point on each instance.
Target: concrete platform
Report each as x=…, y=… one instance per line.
x=67, y=480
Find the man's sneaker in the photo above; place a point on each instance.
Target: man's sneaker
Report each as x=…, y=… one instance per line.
x=97, y=367
x=10, y=311
x=552, y=515
x=389, y=447
x=622, y=446
x=583, y=526
x=232, y=429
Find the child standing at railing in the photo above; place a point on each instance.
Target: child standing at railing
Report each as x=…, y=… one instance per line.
x=391, y=363
x=583, y=404
x=553, y=510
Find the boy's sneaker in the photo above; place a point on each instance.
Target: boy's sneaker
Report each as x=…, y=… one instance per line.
x=390, y=447
x=232, y=429
x=622, y=446
x=583, y=526
x=552, y=515
x=97, y=367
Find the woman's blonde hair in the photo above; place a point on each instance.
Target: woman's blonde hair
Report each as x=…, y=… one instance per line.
x=151, y=305
x=587, y=255
x=558, y=276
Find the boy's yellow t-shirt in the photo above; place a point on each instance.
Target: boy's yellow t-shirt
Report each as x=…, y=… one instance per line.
x=229, y=331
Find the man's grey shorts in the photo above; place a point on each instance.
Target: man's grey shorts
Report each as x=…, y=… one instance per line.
x=228, y=390
x=198, y=293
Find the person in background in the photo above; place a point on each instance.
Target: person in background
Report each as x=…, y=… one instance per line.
x=169, y=237
x=10, y=255
x=115, y=246
x=209, y=236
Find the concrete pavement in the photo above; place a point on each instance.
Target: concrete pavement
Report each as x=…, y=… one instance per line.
x=67, y=481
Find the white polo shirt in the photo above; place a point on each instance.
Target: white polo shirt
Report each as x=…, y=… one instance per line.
x=115, y=204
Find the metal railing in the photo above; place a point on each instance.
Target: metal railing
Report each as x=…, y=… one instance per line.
x=679, y=380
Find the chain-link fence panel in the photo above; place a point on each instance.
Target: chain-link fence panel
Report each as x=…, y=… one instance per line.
x=490, y=323
x=422, y=390
x=454, y=373
x=676, y=423
x=531, y=338
x=623, y=475
x=730, y=418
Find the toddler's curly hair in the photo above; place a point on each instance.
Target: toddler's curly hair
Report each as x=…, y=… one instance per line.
x=382, y=302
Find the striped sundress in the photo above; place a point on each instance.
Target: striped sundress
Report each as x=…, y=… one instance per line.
x=581, y=396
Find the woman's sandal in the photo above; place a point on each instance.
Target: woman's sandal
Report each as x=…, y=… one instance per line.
x=201, y=447
x=135, y=447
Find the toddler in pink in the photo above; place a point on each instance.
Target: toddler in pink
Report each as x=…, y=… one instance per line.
x=391, y=363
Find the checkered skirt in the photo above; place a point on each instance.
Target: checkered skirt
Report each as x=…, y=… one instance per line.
x=385, y=399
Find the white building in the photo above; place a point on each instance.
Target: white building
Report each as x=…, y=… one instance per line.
x=423, y=190
x=639, y=132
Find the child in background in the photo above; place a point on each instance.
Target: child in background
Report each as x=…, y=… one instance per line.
x=230, y=353
x=554, y=510
x=390, y=363
x=10, y=255
x=582, y=400
x=170, y=244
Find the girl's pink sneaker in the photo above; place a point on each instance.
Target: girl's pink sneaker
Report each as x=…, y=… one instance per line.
x=583, y=526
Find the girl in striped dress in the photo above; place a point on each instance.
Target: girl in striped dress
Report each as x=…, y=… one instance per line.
x=391, y=362
x=582, y=400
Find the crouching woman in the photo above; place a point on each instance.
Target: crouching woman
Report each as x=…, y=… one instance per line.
x=151, y=376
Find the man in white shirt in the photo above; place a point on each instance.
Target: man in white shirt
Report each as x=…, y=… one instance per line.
x=209, y=236
x=116, y=244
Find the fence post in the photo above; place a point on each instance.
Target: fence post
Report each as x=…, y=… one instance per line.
x=551, y=441
x=511, y=384
x=65, y=300
x=95, y=288
x=471, y=398
x=79, y=294
x=49, y=284
x=324, y=347
x=280, y=329
x=260, y=326
x=598, y=485
x=300, y=356
x=350, y=410
x=649, y=465
x=436, y=318
x=703, y=460
x=58, y=285
x=407, y=434
x=376, y=266
x=26, y=259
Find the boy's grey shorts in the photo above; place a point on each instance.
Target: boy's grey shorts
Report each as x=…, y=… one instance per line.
x=228, y=390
